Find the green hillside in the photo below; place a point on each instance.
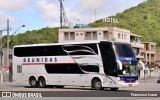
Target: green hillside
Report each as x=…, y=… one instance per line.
x=143, y=19
x=44, y=35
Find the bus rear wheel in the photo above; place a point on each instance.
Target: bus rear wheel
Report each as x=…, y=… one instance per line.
x=41, y=82
x=97, y=84
x=33, y=82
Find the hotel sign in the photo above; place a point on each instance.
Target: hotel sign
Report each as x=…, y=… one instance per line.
x=110, y=20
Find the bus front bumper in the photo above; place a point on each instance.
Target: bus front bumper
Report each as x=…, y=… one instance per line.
x=122, y=84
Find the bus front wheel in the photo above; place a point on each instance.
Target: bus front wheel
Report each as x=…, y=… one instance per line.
x=41, y=82
x=33, y=82
x=97, y=84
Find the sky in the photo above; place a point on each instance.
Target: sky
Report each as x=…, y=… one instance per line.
x=37, y=14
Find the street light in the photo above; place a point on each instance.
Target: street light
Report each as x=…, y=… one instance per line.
x=12, y=34
x=18, y=29
x=8, y=40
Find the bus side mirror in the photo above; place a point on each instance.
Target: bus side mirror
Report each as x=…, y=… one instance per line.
x=140, y=62
x=124, y=72
x=119, y=63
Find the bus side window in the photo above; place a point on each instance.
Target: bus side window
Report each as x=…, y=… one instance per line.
x=90, y=68
x=81, y=49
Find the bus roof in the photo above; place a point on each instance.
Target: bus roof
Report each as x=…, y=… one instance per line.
x=58, y=43
x=85, y=42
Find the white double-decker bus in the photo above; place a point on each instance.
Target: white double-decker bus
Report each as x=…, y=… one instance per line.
x=96, y=64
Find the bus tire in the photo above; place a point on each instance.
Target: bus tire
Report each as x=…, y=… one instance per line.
x=114, y=89
x=97, y=84
x=41, y=82
x=33, y=83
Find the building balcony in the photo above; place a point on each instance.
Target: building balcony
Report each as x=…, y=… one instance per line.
x=153, y=51
x=137, y=45
x=140, y=56
x=149, y=61
x=149, y=51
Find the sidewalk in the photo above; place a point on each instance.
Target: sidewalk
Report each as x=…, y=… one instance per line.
x=4, y=85
x=152, y=79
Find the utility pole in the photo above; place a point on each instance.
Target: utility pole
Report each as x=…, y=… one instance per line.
x=63, y=17
x=1, y=45
x=1, y=54
x=8, y=43
x=61, y=13
x=95, y=14
x=0, y=49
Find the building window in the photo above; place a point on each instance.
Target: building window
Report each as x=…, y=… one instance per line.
x=69, y=36
x=125, y=36
x=94, y=34
x=72, y=36
x=10, y=56
x=66, y=36
x=157, y=70
x=77, y=34
x=91, y=35
x=119, y=35
x=105, y=35
x=122, y=36
x=88, y=36
x=81, y=33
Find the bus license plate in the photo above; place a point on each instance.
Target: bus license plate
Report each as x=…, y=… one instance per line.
x=129, y=84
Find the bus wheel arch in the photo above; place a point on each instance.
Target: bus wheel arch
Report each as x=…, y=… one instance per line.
x=41, y=82
x=96, y=83
x=33, y=82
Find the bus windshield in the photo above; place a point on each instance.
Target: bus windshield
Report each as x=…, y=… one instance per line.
x=129, y=68
x=129, y=71
x=123, y=50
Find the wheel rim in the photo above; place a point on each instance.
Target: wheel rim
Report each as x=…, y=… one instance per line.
x=98, y=85
x=33, y=82
x=42, y=83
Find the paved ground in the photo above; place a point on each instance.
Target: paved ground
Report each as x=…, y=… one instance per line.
x=144, y=86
